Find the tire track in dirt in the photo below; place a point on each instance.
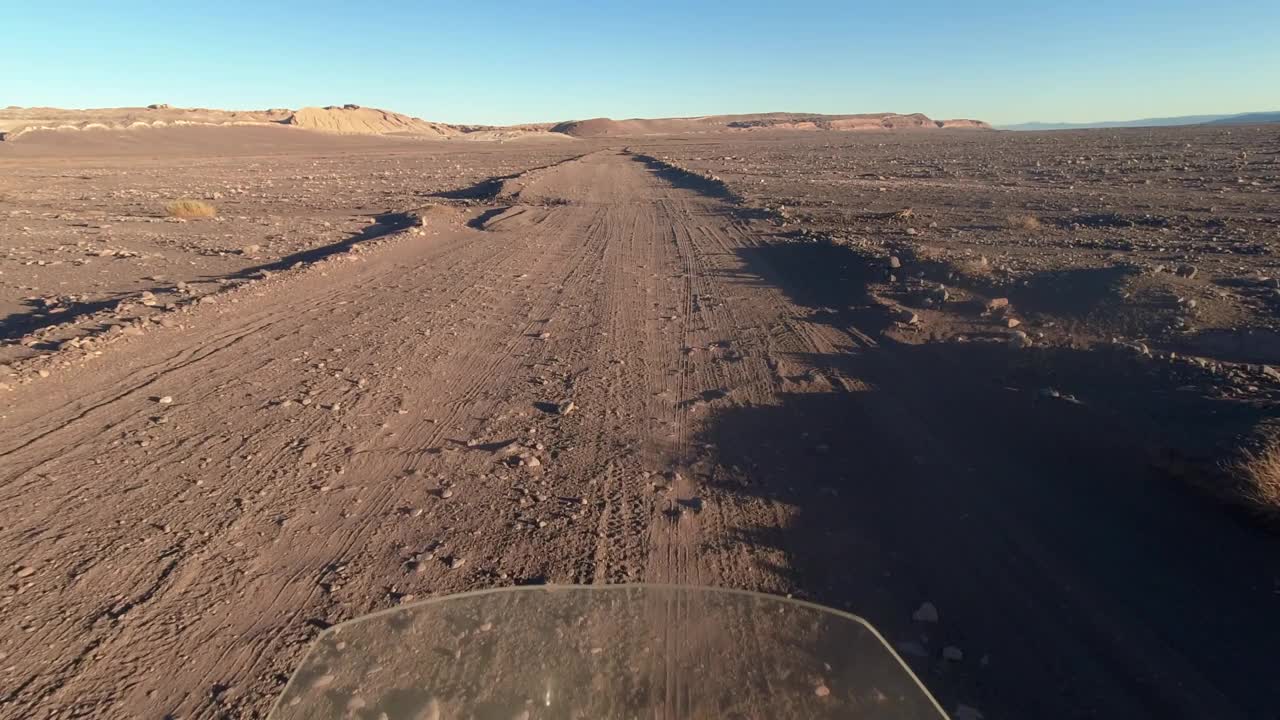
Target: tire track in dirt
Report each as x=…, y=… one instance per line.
x=346, y=443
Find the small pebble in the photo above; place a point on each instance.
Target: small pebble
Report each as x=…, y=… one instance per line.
x=927, y=612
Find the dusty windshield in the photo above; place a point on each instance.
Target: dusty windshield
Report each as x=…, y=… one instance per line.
x=605, y=652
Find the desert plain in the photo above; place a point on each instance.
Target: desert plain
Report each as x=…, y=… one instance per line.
x=1011, y=397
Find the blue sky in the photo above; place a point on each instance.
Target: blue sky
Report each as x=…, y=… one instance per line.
x=497, y=62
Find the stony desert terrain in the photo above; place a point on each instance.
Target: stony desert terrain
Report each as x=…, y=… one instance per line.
x=1008, y=396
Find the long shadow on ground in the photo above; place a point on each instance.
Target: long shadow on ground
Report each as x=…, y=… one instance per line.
x=37, y=316
x=383, y=224
x=686, y=180
x=19, y=324
x=1076, y=580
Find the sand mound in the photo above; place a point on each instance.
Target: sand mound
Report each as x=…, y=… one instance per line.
x=606, y=127
x=356, y=120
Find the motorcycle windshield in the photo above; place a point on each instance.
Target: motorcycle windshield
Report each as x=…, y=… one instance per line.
x=604, y=651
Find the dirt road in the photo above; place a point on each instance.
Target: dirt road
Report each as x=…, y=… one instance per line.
x=400, y=426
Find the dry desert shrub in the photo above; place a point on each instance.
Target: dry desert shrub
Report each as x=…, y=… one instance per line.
x=922, y=253
x=1259, y=475
x=1029, y=223
x=973, y=267
x=190, y=209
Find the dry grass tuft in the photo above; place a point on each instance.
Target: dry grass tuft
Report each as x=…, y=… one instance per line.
x=1259, y=475
x=190, y=209
x=923, y=253
x=1030, y=223
x=905, y=215
x=974, y=267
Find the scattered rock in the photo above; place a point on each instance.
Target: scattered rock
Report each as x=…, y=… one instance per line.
x=952, y=653
x=997, y=304
x=456, y=562
x=927, y=612
x=24, y=571
x=565, y=407
x=894, y=262
x=903, y=315
x=1186, y=271
x=507, y=448
x=1137, y=348
x=524, y=459
x=1020, y=340
x=166, y=400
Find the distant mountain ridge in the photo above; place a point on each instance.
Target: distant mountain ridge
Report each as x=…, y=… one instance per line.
x=1257, y=118
x=333, y=119
x=607, y=127
x=1233, y=119
x=353, y=119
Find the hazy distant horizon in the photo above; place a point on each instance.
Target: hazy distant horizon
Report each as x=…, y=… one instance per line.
x=1138, y=122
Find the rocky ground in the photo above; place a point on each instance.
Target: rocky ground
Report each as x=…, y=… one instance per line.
x=935, y=380
x=90, y=247
x=1153, y=253
x=1168, y=236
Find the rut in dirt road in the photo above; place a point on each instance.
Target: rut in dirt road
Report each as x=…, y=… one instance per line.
x=400, y=426
x=367, y=435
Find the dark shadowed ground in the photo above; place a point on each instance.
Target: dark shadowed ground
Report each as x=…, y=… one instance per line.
x=1077, y=580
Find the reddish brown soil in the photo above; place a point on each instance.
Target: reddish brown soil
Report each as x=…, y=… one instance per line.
x=189, y=498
